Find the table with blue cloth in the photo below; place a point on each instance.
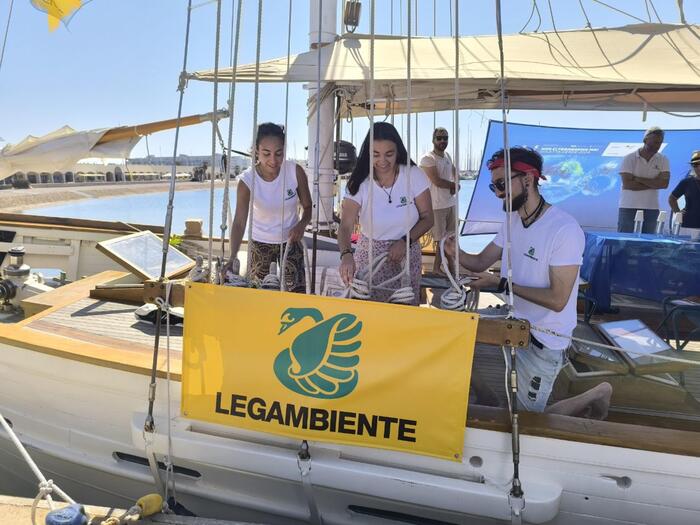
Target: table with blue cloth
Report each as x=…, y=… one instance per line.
x=647, y=266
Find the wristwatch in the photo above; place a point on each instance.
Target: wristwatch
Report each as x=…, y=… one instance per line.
x=346, y=250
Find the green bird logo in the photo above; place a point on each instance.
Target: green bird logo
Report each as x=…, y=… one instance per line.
x=322, y=361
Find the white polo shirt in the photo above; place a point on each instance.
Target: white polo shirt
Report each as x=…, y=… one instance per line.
x=392, y=219
x=441, y=197
x=555, y=239
x=638, y=166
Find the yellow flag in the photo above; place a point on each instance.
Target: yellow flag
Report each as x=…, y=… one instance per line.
x=58, y=10
x=327, y=369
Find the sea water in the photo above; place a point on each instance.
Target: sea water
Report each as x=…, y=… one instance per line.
x=150, y=209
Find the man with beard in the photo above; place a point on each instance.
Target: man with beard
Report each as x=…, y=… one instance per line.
x=438, y=166
x=643, y=172
x=546, y=254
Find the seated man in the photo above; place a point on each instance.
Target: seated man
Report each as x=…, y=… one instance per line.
x=546, y=254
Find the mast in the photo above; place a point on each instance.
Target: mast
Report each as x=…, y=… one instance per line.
x=321, y=125
x=322, y=31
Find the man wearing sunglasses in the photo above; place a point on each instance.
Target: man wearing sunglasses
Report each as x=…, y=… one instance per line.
x=438, y=166
x=546, y=254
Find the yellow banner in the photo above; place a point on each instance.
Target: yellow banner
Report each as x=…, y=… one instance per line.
x=327, y=369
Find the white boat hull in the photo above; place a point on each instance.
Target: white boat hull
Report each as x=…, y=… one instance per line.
x=75, y=417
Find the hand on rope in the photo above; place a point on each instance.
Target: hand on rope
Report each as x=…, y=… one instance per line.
x=455, y=298
x=358, y=288
x=307, y=268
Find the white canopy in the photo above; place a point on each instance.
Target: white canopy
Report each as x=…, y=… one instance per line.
x=635, y=67
x=60, y=150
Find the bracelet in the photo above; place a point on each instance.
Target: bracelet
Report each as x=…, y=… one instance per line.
x=503, y=285
x=344, y=252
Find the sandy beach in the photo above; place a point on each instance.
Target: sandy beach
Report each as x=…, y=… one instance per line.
x=14, y=200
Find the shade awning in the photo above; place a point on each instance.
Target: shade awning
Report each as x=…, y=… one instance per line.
x=61, y=149
x=635, y=67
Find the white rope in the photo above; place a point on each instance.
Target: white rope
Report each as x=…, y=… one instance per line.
x=359, y=287
x=46, y=487
x=226, y=205
x=232, y=276
x=317, y=141
x=254, y=154
x=455, y=298
x=506, y=159
x=307, y=270
x=214, y=129
x=272, y=280
x=456, y=143
x=403, y=295
x=286, y=132
x=370, y=193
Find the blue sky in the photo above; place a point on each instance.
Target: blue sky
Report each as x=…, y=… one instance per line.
x=117, y=63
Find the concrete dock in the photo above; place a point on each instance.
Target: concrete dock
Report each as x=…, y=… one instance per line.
x=18, y=511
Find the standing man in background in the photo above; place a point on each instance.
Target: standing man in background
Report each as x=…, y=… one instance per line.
x=644, y=172
x=438, y=166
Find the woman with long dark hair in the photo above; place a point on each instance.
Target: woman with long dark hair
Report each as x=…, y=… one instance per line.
x=400, y=202
x=281, y=189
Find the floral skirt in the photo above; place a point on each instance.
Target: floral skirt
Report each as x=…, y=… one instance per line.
x=263, y=254
x=389, y=269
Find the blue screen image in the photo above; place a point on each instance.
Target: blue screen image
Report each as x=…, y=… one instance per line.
x=582, y=168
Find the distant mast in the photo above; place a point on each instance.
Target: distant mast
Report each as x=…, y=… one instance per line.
x=326, y=172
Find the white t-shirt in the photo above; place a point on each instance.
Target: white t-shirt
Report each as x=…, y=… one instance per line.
x=441, y=197
x=270, y=225
x=391, y=220
x=555, y=239
x=638, y=166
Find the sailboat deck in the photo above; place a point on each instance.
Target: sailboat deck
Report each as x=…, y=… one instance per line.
x=107, y=323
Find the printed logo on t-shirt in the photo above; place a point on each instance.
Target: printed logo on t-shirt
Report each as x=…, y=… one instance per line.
x=403, y=201
x=531, y=254
x=290, y=194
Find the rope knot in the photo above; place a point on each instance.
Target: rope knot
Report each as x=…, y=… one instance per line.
x=46, y=488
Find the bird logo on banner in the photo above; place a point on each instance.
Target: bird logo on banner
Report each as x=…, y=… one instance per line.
x=322, y=360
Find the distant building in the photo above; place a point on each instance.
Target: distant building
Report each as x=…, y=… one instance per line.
x=238, y=163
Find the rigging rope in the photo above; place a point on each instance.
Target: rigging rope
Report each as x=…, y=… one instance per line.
x=456, y=144
x=515, y=498
x=317, y=147
x=214, y=129
x=226, y=205
x=254, y=154
x=286, y=131
x=370, y=193
x=149, y=423
x=7, y=32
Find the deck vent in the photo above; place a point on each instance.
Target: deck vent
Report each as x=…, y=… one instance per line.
x=138, y=460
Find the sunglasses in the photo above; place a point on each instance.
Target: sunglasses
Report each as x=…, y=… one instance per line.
x=441, y=137
x=500, y=184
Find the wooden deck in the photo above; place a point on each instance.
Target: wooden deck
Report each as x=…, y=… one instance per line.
x=70, y=324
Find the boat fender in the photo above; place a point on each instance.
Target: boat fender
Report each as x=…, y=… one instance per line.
x=71, y=515
x=150, y=504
